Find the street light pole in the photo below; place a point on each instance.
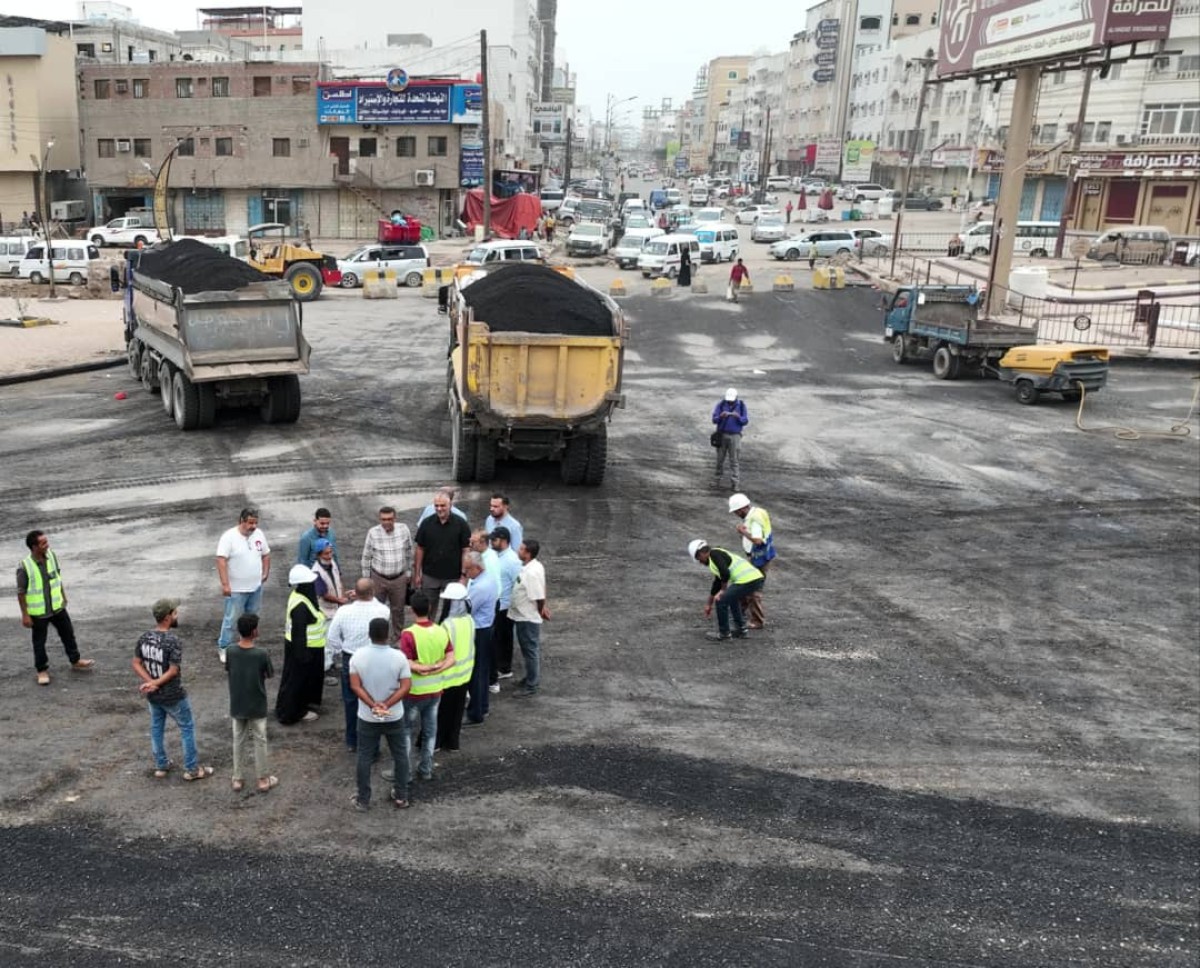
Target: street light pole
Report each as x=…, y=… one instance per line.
x=608, y=115
x=45, y=207
x=927, y=64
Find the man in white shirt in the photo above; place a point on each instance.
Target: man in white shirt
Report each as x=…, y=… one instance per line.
x=243, y=565
x=349, y=631
x=526, y=611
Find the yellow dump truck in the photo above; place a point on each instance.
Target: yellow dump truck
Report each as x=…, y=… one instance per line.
x=535, y=370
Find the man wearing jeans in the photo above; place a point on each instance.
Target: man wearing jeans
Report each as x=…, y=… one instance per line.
x=429, y=652
x=243, y=565
x=381, y=678
x=349, y=632
x=734, y=579
x=156, y=661
x=526, y=611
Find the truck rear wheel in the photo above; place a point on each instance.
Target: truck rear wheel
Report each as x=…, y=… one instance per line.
x=575, y=461
x=462, y=447
x=133, y=352
x=208, y=405
x=485, y=459
x=165, y=380
x=597, y=458
x=282, y=403
x=946, y=366
x=149, y=373
x=305, y=281
x=185, y=402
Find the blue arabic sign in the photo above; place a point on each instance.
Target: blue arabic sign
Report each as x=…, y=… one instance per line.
x=470, y=164
x=419, y=103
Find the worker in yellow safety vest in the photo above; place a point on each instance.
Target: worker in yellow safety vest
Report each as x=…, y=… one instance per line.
x=43, y=602
x=304, y=635
x=430, y=654
x=758, y=543
x=461, y=627
x=734, y=579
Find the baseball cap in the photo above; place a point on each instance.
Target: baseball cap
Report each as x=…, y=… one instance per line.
x=164, y=607
x=730, y=395
x=321, y=544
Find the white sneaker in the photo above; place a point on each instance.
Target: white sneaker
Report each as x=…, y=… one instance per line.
x=310, y=717
x=221, y=654
x=494, y=688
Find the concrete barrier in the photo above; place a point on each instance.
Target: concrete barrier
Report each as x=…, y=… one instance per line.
x=433, y=278
x=662, y=287
x=829, y=277
x=784, y=283
x=380, y=284
x=617, y=288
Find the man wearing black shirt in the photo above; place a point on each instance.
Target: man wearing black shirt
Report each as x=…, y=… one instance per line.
x=734, y=579
x=441, y=541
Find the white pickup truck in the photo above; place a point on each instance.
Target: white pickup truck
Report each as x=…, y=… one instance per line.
x=129, y=231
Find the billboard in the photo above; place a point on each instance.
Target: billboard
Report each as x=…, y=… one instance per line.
x=421, y=102
x=857, y=158
x=980, y=36
x=549, y=121
x=828, y=155
x=470, y=164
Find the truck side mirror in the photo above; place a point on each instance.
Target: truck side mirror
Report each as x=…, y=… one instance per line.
x=114, y=278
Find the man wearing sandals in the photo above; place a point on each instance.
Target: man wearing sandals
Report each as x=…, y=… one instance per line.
x=157, y=663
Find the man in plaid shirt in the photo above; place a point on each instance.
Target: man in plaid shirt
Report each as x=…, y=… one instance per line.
x=387, y=560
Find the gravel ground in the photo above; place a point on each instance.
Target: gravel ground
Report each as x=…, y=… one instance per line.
x=969, y=736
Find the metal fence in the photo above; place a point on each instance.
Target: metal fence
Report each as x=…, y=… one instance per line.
x=1145, y=323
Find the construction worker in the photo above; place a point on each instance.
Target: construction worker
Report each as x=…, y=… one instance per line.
x=43, y=602
x=759, y=545
x=429, y=652
x=461, y=627
x=734, y=579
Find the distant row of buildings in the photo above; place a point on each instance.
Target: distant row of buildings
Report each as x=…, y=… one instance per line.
x=841, y=101
x=273, y=115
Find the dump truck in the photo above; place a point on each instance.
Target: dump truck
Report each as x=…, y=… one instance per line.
x=943, y=322
x=535, y=368
x=204, y=331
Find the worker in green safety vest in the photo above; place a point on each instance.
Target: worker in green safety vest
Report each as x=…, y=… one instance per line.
x=758, y=543
x=429, y=652
x=734, y=579
x=304, y=635
x=43, y=602
x=461, y=627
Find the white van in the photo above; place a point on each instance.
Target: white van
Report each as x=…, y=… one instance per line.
x=718, y=242
x=12, y=251
x=661, y=255
x=674, y=197
x=779, y=182
x=1033, y=239
x=72, y=260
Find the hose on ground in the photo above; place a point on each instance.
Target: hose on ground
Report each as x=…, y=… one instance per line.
x=1178, y=431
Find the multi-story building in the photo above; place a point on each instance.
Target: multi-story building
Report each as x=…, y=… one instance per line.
x=37, y=69
x=254, y=146
x=267, y=31
x=711, y=144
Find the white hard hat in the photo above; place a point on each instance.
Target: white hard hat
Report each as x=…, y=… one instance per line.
x=694, y=546
x=301, y=575
x=456, y=591
x=731, y=395
x=737, y=502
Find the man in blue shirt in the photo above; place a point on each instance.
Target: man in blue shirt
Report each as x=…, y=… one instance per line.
x=483, y=592
x=500, y=516
x=322, y=527
x=730, y=417
x=509, y=566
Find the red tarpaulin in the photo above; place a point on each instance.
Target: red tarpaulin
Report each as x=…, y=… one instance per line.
x=802, y=202
x=509, y=215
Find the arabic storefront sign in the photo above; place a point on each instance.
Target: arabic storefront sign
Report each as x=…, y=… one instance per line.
x=1133, y=163
x=419, y=103
x=994, y=161
x=978, y=35
x=826, y=58
x=826, y=41
x=470, y=164
x=952, y=157
x=829, y=154
x=823, y=76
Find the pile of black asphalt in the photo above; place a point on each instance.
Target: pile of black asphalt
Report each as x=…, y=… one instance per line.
x=193, y=267
x=529, y=298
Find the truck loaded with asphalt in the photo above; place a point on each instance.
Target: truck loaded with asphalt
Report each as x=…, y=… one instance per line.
x=206, y=330
x=536, y=358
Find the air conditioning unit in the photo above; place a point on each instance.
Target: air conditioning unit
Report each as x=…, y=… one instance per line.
x=1121, y=139
x=425, y=177
x=302, y=143
x=124, y=144
x=1161, y=63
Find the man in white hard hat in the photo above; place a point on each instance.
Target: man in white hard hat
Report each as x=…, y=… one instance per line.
x=759, y=545
x=730, y=417
x=734, y=579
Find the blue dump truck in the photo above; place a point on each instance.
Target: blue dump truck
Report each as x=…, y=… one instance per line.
x=942, y=323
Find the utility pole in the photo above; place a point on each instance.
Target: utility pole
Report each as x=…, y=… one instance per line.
x=1073, y=181
x=766, y=149
x=486, y=133
x=567, y=162
x=926, y=63
x=44, y=198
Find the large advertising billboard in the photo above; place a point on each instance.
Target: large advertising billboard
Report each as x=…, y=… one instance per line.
x=857, y=159
x=420, y=103
x=549, y=121
x=983, y=35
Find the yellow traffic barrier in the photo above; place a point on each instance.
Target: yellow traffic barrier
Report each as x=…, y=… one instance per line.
x=784, y=283
x=434, y=277
x=746, y=288
x=617, y=288
x=829, y=277
x=661, y=286
x=380, y=284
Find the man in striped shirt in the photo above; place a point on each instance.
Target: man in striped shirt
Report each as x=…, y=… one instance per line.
x=349, y=631
x=387, y=559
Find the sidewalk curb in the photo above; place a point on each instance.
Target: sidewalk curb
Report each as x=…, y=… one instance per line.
x=32, y=376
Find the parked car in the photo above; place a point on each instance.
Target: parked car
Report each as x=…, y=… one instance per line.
x=779, y=182
x=698, y=196
x=919, y=201
x=12, y=251
x=513, y=250
x=768, y=228
x=129, y=231
x=812, y=186
x=638, y=220
x=748, y=214
x=717, y=242
x=589, y=238
x=72, y=262
x=1134, y=244
x=756, y=198
x=632, y=206
x=869, y=192
x=829, y=243
x=629, y=249
x=552, y=199
x=877, y=244
x=709, y=215
x=408, y=261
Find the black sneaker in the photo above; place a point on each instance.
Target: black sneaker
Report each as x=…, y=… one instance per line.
x=526, y=692
x=741, y=634
x=717, y=636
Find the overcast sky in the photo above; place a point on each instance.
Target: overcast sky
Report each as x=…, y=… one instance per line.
x=617, y=47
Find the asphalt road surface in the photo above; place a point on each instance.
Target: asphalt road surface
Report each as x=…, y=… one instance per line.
x=968, y=737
